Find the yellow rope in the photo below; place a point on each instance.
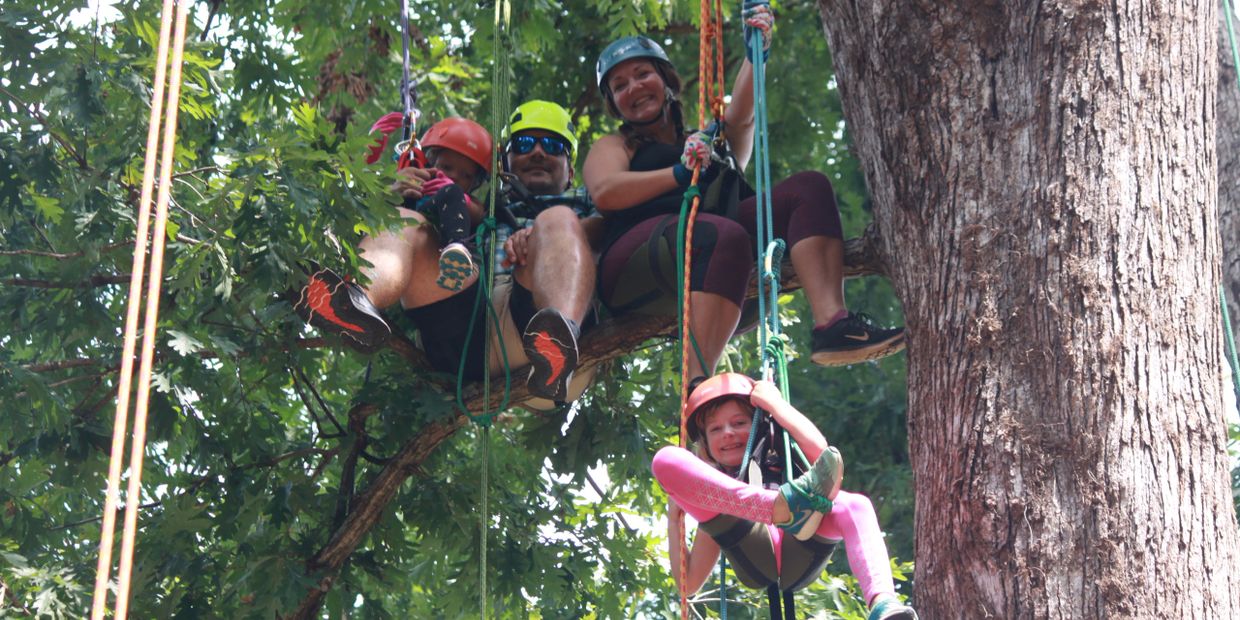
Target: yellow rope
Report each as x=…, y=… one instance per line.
x=138, y=447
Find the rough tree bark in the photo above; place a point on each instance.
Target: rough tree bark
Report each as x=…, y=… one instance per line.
x=1043, y=174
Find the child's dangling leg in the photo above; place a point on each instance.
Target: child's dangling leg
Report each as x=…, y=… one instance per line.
x=852, y=519
x=456, y=265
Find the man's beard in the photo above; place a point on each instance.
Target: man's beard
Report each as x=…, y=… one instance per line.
x=543, y=185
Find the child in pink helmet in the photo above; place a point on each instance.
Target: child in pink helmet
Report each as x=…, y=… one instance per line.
x=771, y=536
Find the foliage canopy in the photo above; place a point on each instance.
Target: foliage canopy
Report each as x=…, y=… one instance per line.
x=252, y=459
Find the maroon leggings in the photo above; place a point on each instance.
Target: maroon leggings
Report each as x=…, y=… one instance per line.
x=802, y=206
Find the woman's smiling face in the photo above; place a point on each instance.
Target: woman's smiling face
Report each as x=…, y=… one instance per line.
x=727, y=432
x=637, y=89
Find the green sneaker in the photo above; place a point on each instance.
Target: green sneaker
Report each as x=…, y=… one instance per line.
x=890, y=608
x=809, y=495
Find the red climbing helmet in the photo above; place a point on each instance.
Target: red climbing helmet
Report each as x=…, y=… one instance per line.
x=719, y=386
x=463, y=136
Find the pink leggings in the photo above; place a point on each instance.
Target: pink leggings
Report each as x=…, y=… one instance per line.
x=705, y=492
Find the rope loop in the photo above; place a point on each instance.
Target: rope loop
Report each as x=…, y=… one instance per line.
x=775, y=346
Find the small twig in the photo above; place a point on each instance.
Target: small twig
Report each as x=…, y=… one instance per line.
x=91, y=282
x=215, y=7
x=42, y=235
x=597, y=489
x=7, y=593
x=305, y=343
x=196, y=171
x=323, y=405
x=61, y=256
x=318, y=422
x=82, y=378
x=120, y=508
x=61, y=365
x=31, y=110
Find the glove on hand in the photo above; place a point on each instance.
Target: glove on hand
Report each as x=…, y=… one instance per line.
x=437, y=182
x=697, y=150
x=759, y=21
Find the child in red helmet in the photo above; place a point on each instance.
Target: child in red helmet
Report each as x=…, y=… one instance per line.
x=751, y=524
x=460, y=151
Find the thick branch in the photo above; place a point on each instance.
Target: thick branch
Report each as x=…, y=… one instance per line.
x=612, y=339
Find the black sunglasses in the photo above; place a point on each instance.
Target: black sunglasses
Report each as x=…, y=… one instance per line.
x=551, y=145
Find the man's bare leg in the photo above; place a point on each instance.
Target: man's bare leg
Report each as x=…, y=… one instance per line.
x=559, y=268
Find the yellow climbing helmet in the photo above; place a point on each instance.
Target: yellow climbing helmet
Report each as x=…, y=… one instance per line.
x=538, y=114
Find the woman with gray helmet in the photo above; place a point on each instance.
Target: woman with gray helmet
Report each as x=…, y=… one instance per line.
x=637, y=179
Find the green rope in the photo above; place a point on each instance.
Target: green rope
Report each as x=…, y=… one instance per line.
x=482, y=523
x=1222, y=296
x=500, y=89
x=1231, y=343
x=1231, y=35
x=483, y=297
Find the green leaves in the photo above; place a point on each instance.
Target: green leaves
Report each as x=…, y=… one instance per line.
x=48, y=207
x=252, y=461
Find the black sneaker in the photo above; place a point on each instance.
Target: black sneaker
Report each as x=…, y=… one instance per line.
x=551, y=345
x=338, y=307
x=854, y=339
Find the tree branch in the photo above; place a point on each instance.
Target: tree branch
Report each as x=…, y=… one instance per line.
x=611, y=339
x=62, y=256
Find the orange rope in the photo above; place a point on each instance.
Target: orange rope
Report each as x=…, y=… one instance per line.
x=138, y=446
x=104, y=566
x=710, y=88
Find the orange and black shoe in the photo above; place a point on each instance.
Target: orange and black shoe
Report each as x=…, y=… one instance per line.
x=550, y=342
x=854, y=339
x=339, y=307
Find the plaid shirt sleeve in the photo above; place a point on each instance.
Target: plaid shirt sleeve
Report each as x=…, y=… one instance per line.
x=577, y=200
x=502, y=232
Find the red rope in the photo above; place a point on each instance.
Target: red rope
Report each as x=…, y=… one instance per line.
x=710, y=90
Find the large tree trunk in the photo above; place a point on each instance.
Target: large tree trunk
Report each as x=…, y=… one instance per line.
x=1043, y=175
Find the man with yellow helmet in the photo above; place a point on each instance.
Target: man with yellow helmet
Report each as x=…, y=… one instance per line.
x=548, y=250
x=544, y=246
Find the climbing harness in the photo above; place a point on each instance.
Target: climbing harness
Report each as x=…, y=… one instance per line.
x=167, y=147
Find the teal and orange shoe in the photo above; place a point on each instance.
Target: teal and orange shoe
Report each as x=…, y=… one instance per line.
x=890, y=608
x=456, y=267
x=809, y=495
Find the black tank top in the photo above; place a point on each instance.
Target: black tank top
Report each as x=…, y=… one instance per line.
x=656, y=156
x=649, y=156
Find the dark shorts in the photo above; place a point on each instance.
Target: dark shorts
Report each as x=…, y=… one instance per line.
x=446, y=325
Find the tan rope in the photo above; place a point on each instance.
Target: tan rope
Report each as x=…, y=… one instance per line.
x=104, y=566
x=158, y=236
